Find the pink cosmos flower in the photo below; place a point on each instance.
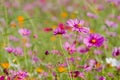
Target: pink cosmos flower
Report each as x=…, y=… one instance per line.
x=98, y=51
x=116, y=51
x=76, y=74
x=59, y=30
x=111, y=34
x=91, y=15
x=92, y=62
x=111, y=75
x=82, y=49
x=28, y=7
x=2, y=77
x=102, y=78
x=81, y=75
x=9, y=49
x=87, y=67
x=69, y=47
x=77, y=25
x=18, y=51
x=100, y=7
x=35, y=59
x=13, y=38
x=95, y=40
x=111, y=23
x=56, y=52
x=35, y=36
x=24, y=32
x=116, y=2
x=118, y=17
x=20, y=75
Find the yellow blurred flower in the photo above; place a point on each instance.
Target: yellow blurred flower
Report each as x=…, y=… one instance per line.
x=53, y=38
x=109, y=65
x=39, y=70
x=14, y=60
x=91, y=31
x=64, y=14
x=73, y=15
x=24, y=40
x=30, y=79
x=5, y=65
x=54, y=27
x=4, y=45
x=62, y=69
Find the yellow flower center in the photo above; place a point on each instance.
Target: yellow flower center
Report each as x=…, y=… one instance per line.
x=93, y=41
x=79, y=25
x=109, y=65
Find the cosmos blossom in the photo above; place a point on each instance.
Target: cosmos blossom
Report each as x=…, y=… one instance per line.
x=9, y=49
x=91, y=15
x=59, y=30
x=82, y=49
x=77, y=25
x=19, y=75
x=102, y=78
x=18, y=51
x=76, y=74
x=112, y=62
x=111, y=23
x=69, y=47
x=24, y=32
x=116, y=51
x=2, y=77
x=94, y=39
x=47, y=29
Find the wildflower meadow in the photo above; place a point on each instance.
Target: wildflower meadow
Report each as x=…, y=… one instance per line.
x=59, y=39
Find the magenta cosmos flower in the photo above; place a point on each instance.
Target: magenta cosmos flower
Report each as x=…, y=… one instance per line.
x=102, y=78
x=116, y=51
x=2, y=77
x=59, y=31
x=77, y=25
x=24, y=32
x=20, y=75
x=9, y=49
x=95, y=40
x=69, y=47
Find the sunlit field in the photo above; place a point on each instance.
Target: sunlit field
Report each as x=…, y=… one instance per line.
x=59, y=39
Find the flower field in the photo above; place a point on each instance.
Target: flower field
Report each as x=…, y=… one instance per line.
x=59, y=39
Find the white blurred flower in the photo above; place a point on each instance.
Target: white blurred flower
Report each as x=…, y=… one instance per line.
x=113, y=62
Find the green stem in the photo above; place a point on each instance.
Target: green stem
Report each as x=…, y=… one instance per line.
x=69, y=68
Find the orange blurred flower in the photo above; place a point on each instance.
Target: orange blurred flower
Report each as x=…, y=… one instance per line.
x=64, y=14
x=62, y=69
x=20, y=20
x=5, y=65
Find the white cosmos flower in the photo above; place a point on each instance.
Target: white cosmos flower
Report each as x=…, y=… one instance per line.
x=113, y=62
